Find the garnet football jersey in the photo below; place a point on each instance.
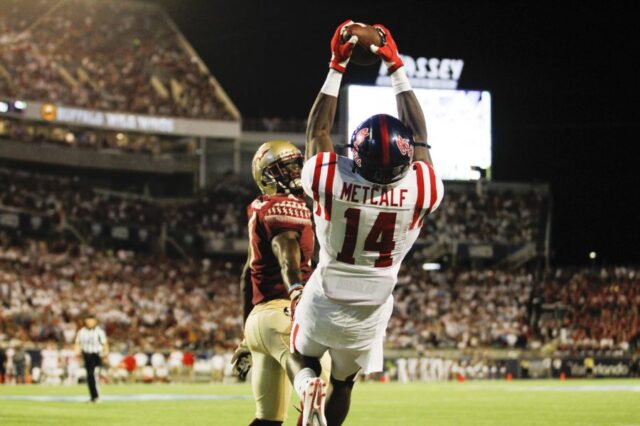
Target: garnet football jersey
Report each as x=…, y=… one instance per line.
x=365, y=230
x=270, y=215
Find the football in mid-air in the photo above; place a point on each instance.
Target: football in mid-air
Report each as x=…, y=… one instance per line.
x=367, y=35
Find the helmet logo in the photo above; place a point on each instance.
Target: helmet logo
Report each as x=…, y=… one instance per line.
x=404, y=145
x=358, y=140
x=261, y=155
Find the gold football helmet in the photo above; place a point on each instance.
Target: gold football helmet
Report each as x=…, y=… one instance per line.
x=276, y=168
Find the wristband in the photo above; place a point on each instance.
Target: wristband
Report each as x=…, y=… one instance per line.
x=294, y=287
x=425, y=145
x=331, y=85
x=400, y=81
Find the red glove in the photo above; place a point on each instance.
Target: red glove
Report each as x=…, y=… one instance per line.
x=389, y=51
x=341, y=52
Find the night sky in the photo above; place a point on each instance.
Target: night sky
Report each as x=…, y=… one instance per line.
x=562, y=78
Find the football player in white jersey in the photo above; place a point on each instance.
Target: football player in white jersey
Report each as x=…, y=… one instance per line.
x=368, y=211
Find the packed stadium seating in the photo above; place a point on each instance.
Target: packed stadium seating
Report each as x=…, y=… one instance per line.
x=574, y=309
x=219, y=212
x=475, y=214
x=601, y=306
x=470, y=216
x=156, y=302
x=144, y=302
x=115, y=56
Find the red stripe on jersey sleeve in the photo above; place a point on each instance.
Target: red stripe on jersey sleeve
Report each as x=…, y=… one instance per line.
x=328, y=190
x=316, y=181
x=420, y=200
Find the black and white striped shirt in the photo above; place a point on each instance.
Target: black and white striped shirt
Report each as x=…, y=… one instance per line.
x=91, y=340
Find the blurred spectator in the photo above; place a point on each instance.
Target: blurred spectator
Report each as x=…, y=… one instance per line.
x=3, y=362
x=130, y=365
x=188, y=362
x=20, y=361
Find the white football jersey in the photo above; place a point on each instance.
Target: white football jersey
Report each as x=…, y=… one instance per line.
x=364, y=229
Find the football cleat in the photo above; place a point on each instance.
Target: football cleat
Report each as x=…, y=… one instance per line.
x=313, y=403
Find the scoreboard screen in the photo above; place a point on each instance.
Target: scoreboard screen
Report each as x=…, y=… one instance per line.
x=458, y=124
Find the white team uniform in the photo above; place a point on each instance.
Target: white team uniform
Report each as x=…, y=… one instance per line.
x=364, y=231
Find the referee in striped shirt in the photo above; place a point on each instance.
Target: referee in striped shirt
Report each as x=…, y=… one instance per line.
x=91, y=342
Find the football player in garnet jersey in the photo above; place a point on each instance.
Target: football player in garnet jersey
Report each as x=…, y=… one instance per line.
x=279, y=262
x=368, y=211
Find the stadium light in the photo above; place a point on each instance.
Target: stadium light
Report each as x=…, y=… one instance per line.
x=593, y=255
x=4, y=107
x=431, y=266
x=20, y=105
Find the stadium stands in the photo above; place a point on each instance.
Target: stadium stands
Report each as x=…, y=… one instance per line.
x=218, y=214
x=144, y=303
x=573, y=310
x=114, y=56
x=159, y=303
x=491, y=215
x=474, y=214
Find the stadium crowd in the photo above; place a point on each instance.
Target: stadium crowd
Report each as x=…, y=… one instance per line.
x=218, y=213
x=114, y=56
x=46, y=289
x=460, y=309
x=496, y=216
x=600, y=306
x=491, y=216
x=571, y=310
x=154, y=302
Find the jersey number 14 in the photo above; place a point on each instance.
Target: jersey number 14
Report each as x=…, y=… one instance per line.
x=379, y=239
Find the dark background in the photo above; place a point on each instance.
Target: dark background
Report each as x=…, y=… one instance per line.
x=563, y=80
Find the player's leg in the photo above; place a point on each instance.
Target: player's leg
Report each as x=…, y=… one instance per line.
x=275, y=331
x=90, y=366
x=267, y=334
x=271, y=390
x=339, y=400
x=344, y=369
x=304, y=369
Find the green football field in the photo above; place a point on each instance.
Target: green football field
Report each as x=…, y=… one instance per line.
x=574, y=402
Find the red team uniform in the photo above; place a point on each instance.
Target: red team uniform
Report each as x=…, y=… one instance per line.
x=270, y=215
x=268, y=325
